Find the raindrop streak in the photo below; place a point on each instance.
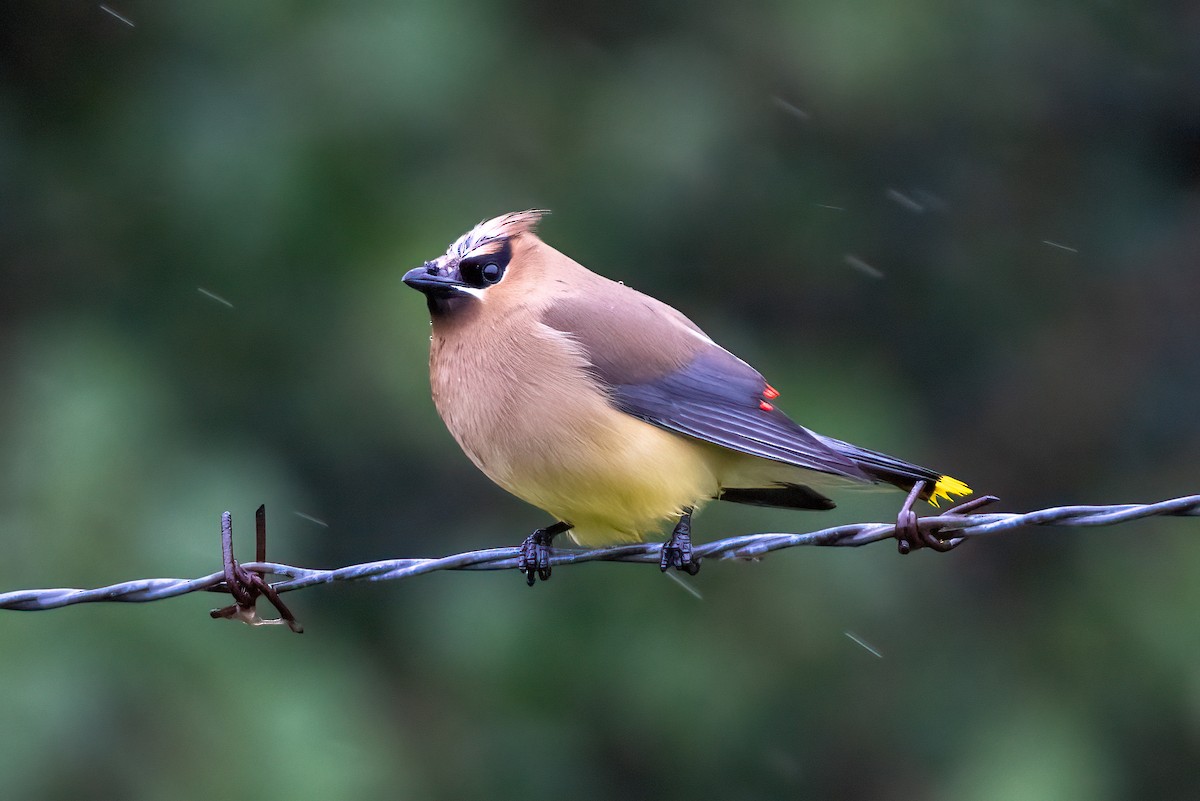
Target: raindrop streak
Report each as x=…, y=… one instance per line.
x=826, y=206
x=856, y=640
x=905, y=201
x=310, y=518
x=794, y=110
x=930, y=200
x=863, y=267
x=214, y=296
x=1060, y=246
x=695, y=593
x=126, y=20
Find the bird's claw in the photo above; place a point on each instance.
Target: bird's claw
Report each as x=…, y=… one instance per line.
x=677, y=553
x=534, y=557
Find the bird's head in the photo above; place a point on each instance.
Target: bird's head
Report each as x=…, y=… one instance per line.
x=480, y=261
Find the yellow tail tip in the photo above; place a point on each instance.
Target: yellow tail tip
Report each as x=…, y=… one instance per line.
x=947, y=487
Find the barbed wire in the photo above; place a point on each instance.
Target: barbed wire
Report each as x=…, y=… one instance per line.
x=247, y=581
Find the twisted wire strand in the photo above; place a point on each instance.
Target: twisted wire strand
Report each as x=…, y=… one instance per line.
x=748, y=546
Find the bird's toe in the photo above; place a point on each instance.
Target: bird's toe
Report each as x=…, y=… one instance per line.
x=677, y=553
x=533, y=560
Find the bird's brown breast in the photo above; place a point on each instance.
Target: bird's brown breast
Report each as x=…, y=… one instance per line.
x=514, y=394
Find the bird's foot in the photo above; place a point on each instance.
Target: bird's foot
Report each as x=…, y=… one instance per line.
x=534, y=557
x=910, y=535
x=677, y=551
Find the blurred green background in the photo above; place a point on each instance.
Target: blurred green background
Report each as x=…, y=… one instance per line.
x=966, y=234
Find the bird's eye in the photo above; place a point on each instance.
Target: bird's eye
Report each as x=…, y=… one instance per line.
x=481, y=275
x=491, y=272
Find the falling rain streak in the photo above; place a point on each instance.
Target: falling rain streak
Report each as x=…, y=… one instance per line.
x=126, y=20
x=904, y=201
x=213, y=296
x=858, y=641
x=695, y=593
x=310, y=518
x=863, y=267
x=792, y=109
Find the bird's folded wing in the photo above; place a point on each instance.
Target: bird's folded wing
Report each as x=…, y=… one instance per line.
x=658, y=367
x=718, y=398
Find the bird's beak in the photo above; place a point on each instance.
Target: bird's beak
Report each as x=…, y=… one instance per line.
x=432, y=284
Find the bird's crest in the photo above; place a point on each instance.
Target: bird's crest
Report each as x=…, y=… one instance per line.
x=491, y=235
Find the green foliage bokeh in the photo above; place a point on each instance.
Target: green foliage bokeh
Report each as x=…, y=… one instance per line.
x=1021, y=182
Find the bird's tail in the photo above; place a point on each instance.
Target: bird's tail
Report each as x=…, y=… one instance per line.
x=904, y=475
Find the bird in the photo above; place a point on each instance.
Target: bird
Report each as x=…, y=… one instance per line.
x=614, y=412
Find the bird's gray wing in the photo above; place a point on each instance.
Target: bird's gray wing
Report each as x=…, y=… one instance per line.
x=659, y=368
x=719, y=398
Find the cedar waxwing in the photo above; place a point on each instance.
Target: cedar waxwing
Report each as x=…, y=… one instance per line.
x=614, y=412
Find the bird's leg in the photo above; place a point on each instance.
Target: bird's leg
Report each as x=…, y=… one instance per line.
x=910, y=536
x=677, y=551
x=534, y=558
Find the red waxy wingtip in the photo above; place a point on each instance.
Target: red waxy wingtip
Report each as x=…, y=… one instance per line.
x=766, y=407
x=770, y=393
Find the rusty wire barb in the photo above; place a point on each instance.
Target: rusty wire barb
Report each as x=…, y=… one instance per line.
x=246, y=585
x=247, y=582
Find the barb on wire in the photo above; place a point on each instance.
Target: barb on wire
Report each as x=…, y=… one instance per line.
x=245, y=582
x=246, y=585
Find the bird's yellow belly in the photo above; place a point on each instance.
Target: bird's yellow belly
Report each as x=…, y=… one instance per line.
x=615, y=479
